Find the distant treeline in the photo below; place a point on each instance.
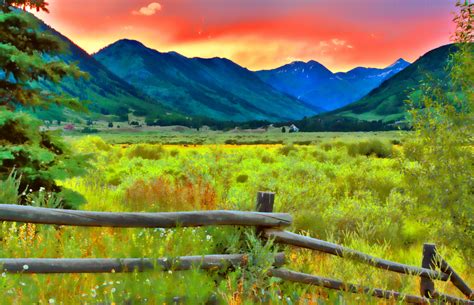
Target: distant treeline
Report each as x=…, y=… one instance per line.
x=323, y=123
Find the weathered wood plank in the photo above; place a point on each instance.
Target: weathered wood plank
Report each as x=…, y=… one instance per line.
x=297, y=240
x=339, y=285
x=9, y=212
x=108, y=265
x=456, y=279
x=265, y=201
x=427, y=285
x=446, y=298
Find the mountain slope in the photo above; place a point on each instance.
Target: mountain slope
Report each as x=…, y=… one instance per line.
x=107, y=93
x=216, y=88
x=387, y=102
x=314, y=84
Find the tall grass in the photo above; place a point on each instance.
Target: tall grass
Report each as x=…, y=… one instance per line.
x=360, y=202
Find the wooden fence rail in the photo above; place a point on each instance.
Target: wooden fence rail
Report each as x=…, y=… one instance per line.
x=327, y=247
x=115, y=265
x=304, y=278
x=268, y=225
x=11, y=212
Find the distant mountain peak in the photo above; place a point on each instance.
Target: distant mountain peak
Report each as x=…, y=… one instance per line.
x=121, y=43
x=207, y=87
x=126, y=41
x=399, y=63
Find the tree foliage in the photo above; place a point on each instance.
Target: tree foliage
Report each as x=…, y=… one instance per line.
x=27, y=55
x=442, y=147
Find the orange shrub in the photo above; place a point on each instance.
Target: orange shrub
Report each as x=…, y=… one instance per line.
x=166, y=194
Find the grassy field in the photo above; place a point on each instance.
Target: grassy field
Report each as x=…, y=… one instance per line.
x=341, y=187
x=186, y=136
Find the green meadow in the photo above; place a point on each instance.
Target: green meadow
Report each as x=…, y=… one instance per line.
x=348, y=188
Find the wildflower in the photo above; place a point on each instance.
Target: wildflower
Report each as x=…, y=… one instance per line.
x=4, y=274
x=51, y=301
x=22, y=284
x=113, y=290
x=31, y=191
x=26, y=267
x=41, y=189
x=170, y=272
x=208, y=237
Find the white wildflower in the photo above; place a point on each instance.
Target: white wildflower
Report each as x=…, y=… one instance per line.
x=26, y=267
x=51, y=301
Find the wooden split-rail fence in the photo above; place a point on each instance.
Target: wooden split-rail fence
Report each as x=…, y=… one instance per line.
x=269, y=226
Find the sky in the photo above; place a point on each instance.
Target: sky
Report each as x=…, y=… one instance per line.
x=263, y=34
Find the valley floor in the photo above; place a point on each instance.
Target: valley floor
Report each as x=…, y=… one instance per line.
x=341, y=187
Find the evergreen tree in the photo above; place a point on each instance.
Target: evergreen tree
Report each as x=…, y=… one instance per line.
x=27, y=55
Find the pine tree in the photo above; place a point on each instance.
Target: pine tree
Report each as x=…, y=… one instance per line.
x=27, y=55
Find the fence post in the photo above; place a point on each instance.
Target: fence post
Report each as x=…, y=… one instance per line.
x=427, y=286
x=265, y=202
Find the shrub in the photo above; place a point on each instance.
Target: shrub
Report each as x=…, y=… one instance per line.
x=165, y=194
x=89, y=130
x=174, y=153
x=287, y=149
x=41, y=158
x=230, y=141
x=302, y=142
x=242, y=178
x=146, y=151
x=10, y=189
x=369, y=148
x=267, y=159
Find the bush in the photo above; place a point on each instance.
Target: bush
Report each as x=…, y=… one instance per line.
x=231, y=142
x=89, y=130
x=174, y=153
x=287, y=149
x=302, y=142
x=10, y=189
x=242, y=178
x=369, y=148
x=267, y=159
x=164, y=194
x=146, y=151
x=40, y=158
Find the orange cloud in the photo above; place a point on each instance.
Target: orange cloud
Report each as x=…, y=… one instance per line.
x=262, y=34
x=148, y=10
